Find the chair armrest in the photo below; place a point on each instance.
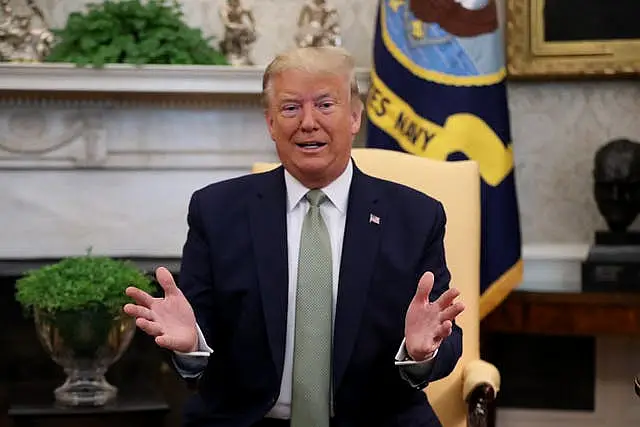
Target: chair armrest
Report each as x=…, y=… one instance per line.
x=481, y=383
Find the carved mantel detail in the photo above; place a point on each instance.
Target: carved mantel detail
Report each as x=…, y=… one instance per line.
x=132, y=139
x=36, y=138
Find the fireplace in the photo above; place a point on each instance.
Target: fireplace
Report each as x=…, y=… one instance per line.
x=107, y=160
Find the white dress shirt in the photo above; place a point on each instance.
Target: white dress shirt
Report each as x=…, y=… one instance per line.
x=334, y=213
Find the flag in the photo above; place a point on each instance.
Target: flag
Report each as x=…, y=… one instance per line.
x=438, y=90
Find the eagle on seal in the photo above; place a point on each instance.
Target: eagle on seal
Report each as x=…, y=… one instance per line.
x=461, y=18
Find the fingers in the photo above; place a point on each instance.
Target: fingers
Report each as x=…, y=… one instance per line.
x=138, y=311
x=446, y=299
x=424, y=286
x=452, y=311
x=444, y=330
x=140, y=296
x=164, y=277
x=151, y=328
x=156, y=331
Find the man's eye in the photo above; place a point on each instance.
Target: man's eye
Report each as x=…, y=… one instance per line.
x=326, y=104
x=289, y=108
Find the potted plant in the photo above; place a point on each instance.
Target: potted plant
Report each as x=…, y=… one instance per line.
x=77, y=308
x=132, y=32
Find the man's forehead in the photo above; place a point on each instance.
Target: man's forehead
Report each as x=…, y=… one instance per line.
x=306, y=92
x=310, y=84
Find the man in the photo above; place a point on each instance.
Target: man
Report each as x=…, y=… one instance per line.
x=311, y=295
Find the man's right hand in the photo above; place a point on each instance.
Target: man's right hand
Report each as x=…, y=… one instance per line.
x=170, y=319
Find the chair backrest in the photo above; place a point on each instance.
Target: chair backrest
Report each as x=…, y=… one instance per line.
x=457, y=186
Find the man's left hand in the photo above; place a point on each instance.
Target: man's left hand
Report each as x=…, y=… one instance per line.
x=427, y=323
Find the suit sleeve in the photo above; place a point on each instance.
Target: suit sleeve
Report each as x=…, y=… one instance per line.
x=196, y=283
x=450, y=350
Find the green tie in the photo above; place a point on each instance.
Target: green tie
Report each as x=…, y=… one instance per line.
x=311, y=388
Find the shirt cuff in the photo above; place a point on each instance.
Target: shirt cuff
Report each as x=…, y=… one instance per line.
x=403, y=358
x=203, y=348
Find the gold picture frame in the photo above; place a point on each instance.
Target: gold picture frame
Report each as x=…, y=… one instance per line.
x=530, y=56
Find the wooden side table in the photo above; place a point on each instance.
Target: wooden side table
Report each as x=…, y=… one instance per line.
x=536, y=374
x=556, y=313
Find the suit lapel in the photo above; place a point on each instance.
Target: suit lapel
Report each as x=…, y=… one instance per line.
x=360, y=246
x=269, y=233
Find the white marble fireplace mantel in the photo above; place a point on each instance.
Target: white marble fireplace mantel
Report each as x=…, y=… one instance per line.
x=86, y=160
x=163, y=79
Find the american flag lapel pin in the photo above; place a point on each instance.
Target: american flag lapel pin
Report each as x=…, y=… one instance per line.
x=374, y=219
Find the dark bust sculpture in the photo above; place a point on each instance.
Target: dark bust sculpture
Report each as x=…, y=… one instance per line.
x=613, y=263
x=617, y=182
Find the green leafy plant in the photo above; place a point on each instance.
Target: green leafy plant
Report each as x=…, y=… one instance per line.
x=133, y=32
x=81, y=283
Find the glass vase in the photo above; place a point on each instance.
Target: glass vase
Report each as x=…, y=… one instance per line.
x=85, y=343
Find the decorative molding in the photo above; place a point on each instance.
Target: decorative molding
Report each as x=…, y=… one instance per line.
x=123, y=83
x=530, y=56
x=31, y=138
x=96, y=158
x=113, y=100
x=187, y=160
x=128, y=78
x=555, y=251
x=229, y=137
x=553, y=267
x=85, y=146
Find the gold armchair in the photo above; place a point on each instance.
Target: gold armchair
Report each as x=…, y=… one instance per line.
x=466, y=398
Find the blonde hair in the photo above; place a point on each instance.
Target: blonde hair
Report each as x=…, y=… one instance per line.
x=320, y=60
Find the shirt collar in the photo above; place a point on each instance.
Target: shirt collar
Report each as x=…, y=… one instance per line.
x=337, y=191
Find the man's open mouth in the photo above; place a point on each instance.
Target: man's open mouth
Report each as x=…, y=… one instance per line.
x=311, y=145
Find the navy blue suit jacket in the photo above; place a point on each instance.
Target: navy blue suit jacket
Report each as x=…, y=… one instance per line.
x=234, y=272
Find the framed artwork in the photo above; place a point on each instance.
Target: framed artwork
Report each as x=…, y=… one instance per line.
x=572, y=38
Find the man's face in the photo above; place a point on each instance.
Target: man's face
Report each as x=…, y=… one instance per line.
x=312, y=120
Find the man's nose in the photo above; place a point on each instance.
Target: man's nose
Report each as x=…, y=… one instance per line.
x=309, y=122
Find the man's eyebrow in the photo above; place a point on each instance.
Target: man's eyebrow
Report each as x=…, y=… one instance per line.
x=324, y=95
x=288, y=98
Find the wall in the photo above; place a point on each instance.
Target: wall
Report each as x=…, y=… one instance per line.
x=556, y=126
x=140, y=210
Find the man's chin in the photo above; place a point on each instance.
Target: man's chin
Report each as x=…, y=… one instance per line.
x=313, y=172
x=311, y=162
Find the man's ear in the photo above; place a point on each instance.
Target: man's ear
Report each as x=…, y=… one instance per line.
x=269, y=119
x=356, y=115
